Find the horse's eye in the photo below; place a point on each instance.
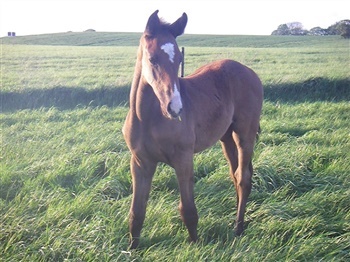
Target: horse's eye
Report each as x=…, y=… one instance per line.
x=153, y=60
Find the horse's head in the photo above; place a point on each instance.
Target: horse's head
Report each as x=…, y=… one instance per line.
x=161, y=58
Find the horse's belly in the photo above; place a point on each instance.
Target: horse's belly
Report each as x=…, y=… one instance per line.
x=207, y=136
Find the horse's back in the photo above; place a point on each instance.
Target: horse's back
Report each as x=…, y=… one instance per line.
x=235, y=80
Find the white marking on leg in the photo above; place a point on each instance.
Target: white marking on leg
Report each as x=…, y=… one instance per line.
x=176, y=103
x=169, y=49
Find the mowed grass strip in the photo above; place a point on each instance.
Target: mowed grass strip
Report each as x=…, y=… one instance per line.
x=65, y=185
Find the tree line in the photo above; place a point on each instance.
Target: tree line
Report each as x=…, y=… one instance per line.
x=341, y=28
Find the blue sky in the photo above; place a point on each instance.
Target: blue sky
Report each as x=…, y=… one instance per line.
x=249, y=17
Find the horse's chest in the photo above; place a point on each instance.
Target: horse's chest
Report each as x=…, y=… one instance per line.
x=133, y=133
x=150, y=140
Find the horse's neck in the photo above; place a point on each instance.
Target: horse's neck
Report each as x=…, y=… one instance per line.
x=142, y=98
x=135, y=85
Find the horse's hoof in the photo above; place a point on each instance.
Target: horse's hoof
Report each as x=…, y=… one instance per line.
x=134, y=243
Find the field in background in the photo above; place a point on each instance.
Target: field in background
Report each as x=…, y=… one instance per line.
x=132, y=39
x=65, y=185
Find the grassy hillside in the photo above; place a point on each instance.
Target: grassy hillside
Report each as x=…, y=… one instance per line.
x=132, y=39
x=76, y=39
x=65, y=185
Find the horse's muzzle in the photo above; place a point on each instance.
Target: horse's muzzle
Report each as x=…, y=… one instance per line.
x=172, y=113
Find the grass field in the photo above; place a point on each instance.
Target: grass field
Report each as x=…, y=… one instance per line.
x=65, y=185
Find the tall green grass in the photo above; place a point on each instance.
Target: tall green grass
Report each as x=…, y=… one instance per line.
x=65, y=185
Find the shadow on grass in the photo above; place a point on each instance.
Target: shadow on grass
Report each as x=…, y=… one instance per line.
x=64, y=98
x=311, y=90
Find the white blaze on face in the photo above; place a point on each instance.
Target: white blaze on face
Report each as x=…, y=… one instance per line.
x=147, y=71
x=169, y=49
x=176, y=103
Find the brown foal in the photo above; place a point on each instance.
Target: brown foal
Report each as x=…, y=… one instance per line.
x=171, y=118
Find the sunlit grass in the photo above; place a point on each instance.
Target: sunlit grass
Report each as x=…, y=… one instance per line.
x=46, y=67
x=65, y=185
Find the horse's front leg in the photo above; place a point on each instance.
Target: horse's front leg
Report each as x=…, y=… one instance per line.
x=142, y=174
x=187, y=207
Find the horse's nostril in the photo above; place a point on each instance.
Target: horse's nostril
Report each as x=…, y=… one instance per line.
x=172, y=112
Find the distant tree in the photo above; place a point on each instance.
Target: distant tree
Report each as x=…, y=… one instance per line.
x=333, y=29
x=282, y=30
x=339, y=28
x=295, y=25
x=294, y=28
x=344, y=28
x=297, y=28
x=318, y=31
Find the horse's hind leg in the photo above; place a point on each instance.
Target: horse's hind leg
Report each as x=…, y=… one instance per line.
x=244, y=139
x=230, y=151
x=238, y=145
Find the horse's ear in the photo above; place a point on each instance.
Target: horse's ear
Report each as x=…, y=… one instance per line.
x=153, y=23
x=178, y=27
